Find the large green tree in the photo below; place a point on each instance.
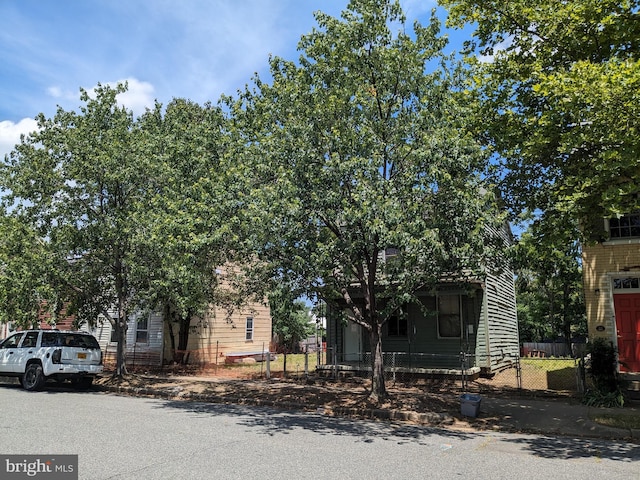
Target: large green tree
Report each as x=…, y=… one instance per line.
x=183, y=236
x=74, y=185
x=559, y=100
x=359, y=148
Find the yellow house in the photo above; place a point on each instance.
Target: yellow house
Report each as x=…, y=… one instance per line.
x=220, y=335
x=611, y=270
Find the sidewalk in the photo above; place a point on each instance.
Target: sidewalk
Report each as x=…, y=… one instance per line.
x=555, y=417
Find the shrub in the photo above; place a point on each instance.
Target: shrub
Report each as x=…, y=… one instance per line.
x=602, y=369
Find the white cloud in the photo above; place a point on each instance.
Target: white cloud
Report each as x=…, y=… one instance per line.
x=416, y=8
x=10, y=133
x=138, y=97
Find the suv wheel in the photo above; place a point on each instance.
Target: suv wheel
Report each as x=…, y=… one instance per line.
x=33, y=378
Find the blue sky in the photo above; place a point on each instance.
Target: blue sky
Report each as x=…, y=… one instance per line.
x=196, y=49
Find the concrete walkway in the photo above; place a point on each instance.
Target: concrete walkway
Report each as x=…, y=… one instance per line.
x=555, y=417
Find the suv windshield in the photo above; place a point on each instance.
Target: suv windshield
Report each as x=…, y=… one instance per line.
x=59, y=339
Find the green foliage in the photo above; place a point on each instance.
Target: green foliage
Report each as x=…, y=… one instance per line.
x=75, y=184
x=603, y=364
x=25, y=281
x=549, y=283
x=602, y=369
x=558, y=97
x=598, y=398
x=182, y=236
x=290, y=317
x=357, y=148
x=111, y=213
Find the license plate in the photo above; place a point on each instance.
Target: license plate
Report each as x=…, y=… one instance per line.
x=82, y=356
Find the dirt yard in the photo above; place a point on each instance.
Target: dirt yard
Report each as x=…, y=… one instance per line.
x=307, y=393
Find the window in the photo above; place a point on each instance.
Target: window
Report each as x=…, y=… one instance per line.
x=249, y=330
x=142, y=330
x=626, y=283
x=50, y=339
x=397, y=326
x=449, y=318
x=30, y=339
x=625, y=226
x=12, y=342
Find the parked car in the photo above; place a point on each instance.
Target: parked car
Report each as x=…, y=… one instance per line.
x=35, y=356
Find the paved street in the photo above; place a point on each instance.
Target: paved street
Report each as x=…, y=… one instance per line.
x=140, y=438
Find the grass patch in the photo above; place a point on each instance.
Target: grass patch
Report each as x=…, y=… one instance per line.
x=548, y=364
x=621, y=420
x=295, y=364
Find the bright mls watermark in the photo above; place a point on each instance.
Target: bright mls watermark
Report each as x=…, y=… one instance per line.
x=50, y=467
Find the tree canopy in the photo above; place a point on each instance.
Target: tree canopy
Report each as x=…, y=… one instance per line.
x=549, y=289
x=76, y=182
x=355, y=153
x=181, y=234
x=115, y=215
x=559, y=99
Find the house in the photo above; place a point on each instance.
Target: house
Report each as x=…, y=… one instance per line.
x=220, y=336
x=469, y=327
x=611, y=274
x=216, y=338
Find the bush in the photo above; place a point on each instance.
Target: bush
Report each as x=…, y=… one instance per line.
x=602, y=369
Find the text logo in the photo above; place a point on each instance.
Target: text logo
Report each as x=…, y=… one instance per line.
x=50, y=467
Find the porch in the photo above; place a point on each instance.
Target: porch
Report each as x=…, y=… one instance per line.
x=403, y=366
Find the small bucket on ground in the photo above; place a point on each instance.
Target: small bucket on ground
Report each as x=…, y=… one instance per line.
x=470, y=405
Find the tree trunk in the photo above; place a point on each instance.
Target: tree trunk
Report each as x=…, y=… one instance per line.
x=121, y=349
x=183, y=338
x=284, y=371
x=172, y=337
x=378, y=388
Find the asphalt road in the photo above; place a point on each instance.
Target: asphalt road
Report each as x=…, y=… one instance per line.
x=138, y=438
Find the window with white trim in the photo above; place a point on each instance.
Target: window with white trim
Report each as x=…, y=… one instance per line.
x=249, y=329
x=626, y=283
x=625, y=227
x=142, y=330
x=449, y=316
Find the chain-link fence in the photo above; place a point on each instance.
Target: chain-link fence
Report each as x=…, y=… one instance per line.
x=546, y=375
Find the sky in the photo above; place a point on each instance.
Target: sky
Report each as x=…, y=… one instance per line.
x=164, y=49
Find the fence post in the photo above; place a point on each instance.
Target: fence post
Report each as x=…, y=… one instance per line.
x=393, y=366
x=518, y=372
x=463, y=364
x=581, y=377
x=268, y=370
x=306, y=360
x=335, y=361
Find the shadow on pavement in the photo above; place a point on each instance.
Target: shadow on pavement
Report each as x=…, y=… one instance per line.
x=574, y=448
x=272, y=422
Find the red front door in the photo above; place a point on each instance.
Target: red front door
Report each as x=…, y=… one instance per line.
x=628, y=325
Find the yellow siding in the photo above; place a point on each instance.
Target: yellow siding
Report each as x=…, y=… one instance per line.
x=601, y=263
x=222, y=333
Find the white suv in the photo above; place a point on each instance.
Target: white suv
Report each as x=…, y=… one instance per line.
x=34, y=356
